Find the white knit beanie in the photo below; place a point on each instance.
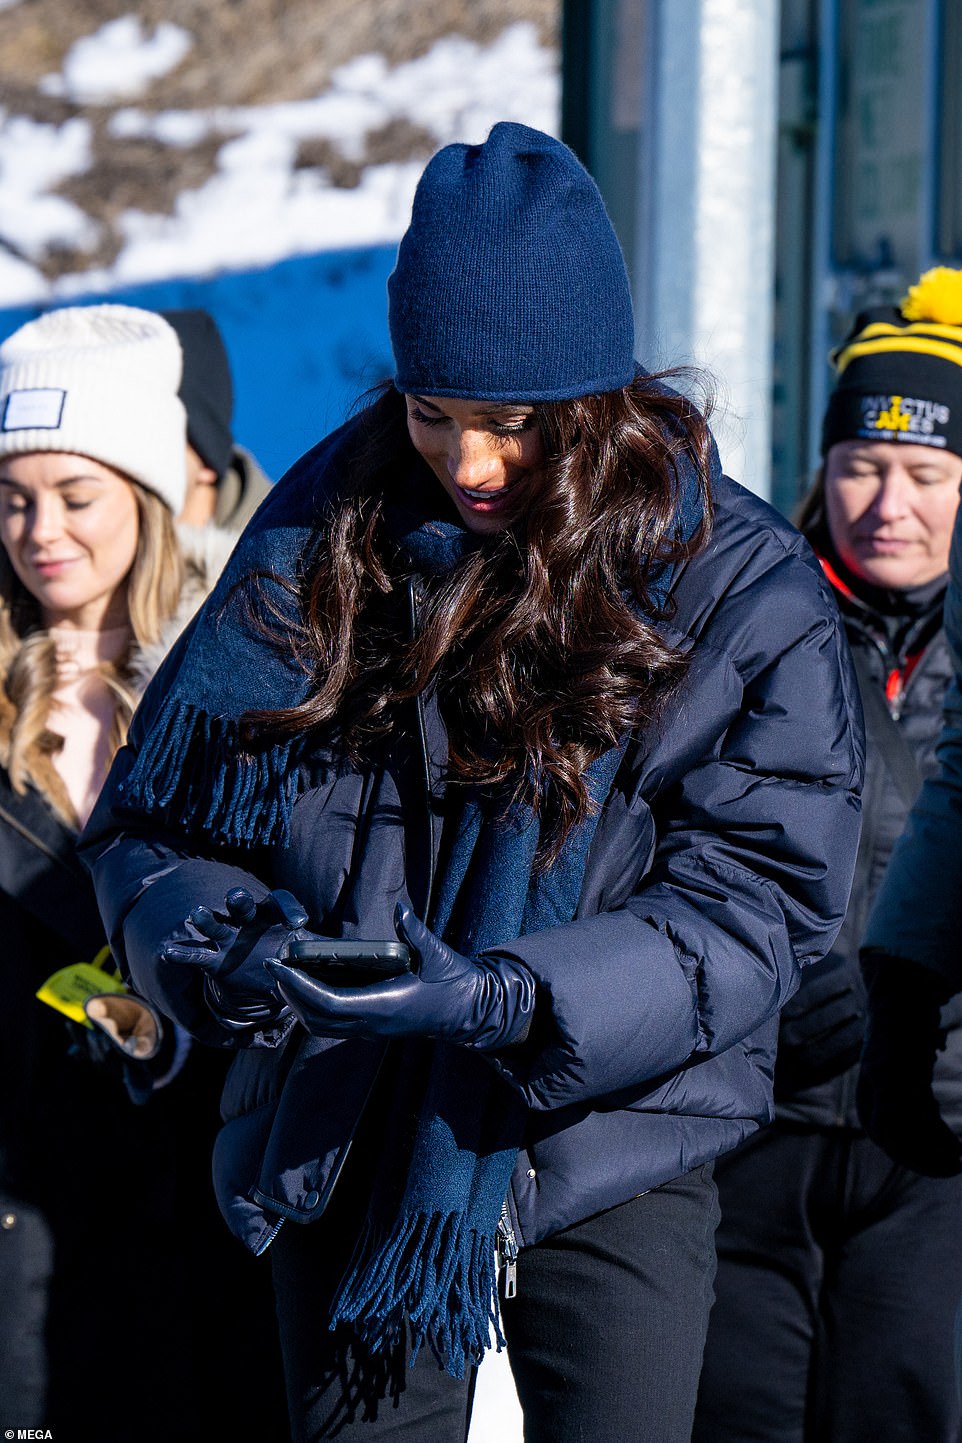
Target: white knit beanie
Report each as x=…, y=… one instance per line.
x=100, y=381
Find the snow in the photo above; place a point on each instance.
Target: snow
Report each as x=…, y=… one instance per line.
x=457, y=91
x=496, y=1412
x=35, y=157
x=118, y=61
x=18, y=280
x=258, y=208
x=170, y=127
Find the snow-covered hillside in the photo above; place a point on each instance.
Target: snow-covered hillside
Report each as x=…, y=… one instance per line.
x=90, y=150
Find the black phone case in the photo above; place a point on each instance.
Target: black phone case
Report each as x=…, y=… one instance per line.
x=349, y=963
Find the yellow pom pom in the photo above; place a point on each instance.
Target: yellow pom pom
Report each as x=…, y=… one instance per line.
x=936, y=296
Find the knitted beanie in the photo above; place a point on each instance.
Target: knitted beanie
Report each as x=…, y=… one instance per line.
x=205, y=388
x=100, y=381
x=510, y=284
x=900, y=370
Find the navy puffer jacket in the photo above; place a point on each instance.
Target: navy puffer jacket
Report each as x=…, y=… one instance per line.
x=721, y=864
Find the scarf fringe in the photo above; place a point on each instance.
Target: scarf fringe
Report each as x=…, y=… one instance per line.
x=436, y=1273
x=196, y=766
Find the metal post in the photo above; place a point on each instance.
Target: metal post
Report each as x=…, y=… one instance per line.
x=703, y=264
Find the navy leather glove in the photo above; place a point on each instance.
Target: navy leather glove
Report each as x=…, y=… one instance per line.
x=899, y=1096
x=232, y=947
x=820, y=1034
x=486, y=1002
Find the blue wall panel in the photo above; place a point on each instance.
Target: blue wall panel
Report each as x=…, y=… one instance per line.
x=305, y=338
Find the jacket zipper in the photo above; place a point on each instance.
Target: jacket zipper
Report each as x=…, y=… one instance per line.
x=506, y=1247
x=895, y=663
x=263, y=1246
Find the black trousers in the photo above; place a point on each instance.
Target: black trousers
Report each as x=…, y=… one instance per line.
x=605, y=1334
x=839, y=1275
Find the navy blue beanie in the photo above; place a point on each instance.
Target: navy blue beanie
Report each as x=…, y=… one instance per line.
x=510, y=284
x=206, y=388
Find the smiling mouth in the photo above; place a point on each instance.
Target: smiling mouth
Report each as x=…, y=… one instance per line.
x=53, y=564
x=488, y=498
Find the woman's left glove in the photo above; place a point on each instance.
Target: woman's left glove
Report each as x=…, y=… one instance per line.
x=128, y=1022
x=821, y=1027
x=232, y=948
x=487, y=1002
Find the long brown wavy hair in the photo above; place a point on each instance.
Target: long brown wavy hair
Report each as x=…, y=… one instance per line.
x=541, y=643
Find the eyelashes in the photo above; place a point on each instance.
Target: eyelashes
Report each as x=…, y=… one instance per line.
x=499, y=428
x=423, y=419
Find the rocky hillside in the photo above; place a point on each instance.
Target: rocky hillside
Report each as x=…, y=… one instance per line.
x=133, y=104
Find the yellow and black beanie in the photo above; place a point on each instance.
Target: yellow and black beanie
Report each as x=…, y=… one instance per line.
x=900, y=370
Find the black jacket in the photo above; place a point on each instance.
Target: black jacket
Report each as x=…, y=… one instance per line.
x=48, y=918
x=114, y=1265
x=901, y=652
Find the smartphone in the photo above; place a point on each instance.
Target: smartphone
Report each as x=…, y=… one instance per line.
x=349, y=963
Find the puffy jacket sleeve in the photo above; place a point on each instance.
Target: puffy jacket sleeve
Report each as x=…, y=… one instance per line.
x=753, y=782
x=918, y=910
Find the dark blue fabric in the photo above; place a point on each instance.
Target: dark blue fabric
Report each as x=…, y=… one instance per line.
x=432, y=1262
x=191, y=765
x=490, y=857
x=433, y=1266
x=509, y=240
x=720, y=862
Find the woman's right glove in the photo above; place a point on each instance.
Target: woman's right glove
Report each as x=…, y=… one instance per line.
x=486, y=1002
x=899, y=1101
x=232, y=948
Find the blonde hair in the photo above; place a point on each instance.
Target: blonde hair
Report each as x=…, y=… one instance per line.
x=28, y=653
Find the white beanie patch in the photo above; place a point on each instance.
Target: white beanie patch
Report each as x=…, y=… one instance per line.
x=41, y=408
x=98, y=381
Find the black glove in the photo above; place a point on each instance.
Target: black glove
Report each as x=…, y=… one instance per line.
x=904, y=1035
x=232, y=947
x=820, y=1032
x=486, y=1001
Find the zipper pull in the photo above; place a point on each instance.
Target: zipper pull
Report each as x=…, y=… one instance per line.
x=507, y=1247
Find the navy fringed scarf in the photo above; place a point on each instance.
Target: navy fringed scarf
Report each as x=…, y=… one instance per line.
x=431, y=1259
x=426, y=1258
